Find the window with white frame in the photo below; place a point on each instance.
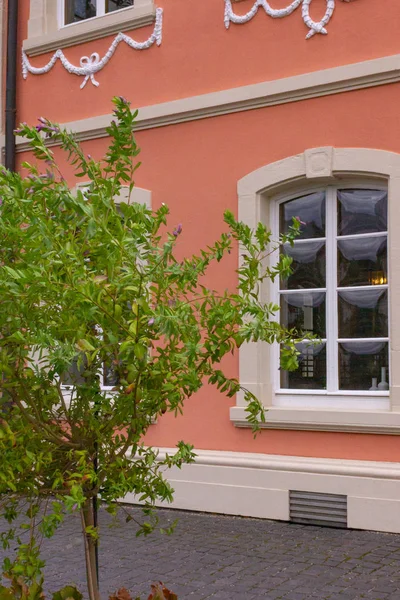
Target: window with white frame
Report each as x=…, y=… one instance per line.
x=108, y=373
x=79, y=10
x=338, y=290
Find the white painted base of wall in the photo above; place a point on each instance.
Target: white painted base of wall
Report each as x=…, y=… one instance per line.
x=257, y=485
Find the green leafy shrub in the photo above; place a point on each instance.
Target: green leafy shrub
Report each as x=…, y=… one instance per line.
x=87, y=286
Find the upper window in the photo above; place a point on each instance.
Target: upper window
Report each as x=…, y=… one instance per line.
x=79, y=10
x=338, y=290
x=57, y=24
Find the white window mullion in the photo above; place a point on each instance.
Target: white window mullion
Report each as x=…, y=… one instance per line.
x=61, y=13
x=100, y=8
x=331, y=295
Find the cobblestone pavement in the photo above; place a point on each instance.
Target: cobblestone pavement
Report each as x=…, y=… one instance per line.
x=219, y=557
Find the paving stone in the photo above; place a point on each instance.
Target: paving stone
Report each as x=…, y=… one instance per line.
x=210, y=557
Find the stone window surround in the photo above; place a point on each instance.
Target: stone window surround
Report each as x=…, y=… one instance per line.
x=324, y=166
x=46, y=35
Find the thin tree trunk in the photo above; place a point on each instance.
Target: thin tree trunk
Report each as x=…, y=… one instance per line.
x=96, y=500
x=95, y=523
x=87, y=518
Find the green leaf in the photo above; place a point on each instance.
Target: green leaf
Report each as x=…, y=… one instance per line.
x=85, y=346
x=67, y=593
x=140, y=351
x=6, y=593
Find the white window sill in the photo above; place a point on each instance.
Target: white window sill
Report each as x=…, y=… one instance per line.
x=92, y=29
x=356, y=400
x=324, y=419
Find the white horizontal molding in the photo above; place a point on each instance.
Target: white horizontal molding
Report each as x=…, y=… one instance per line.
x=141, y=14
x=312, y=419
x=258, y=485
x=276, y=462
x=379, y=71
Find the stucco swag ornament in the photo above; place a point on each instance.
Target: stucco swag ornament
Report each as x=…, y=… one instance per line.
x=314, y=26
x=90, y=65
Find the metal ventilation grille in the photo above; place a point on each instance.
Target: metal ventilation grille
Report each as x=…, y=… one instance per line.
x=312, y=508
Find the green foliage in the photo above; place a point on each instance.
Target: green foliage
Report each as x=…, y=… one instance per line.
x=19, y=590
x=68, y=593
x=86, y=282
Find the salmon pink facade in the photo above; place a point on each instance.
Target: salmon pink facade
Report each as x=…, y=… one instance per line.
x=271, y=112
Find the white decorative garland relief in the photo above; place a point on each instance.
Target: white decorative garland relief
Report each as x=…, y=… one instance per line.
x=315, y=27
x=89, y=65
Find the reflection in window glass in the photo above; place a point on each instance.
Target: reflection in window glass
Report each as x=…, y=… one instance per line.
x=363, y=313
x=338, y=289
x=361, y=211
x=308, y=266
x=311, y=373
x=310, y=209
x=363, y=366
x=304, y=312
x=112, y=5
x=362, y=261
x=78, y=10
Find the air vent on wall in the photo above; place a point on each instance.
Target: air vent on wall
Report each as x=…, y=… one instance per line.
x=312, y=508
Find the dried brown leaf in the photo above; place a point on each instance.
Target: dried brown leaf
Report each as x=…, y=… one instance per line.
x=160, y=592
x=121, y=594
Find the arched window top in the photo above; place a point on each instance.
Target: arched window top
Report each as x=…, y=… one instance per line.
x=320, y=164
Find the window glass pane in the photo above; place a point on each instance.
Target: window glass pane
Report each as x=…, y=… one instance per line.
x=6, y=402
x=310, y=209
x=78, y=10
x=362, y=261
x=112, y=5
x=308, y=266
x=304, y=312
x=311, y=373
x=110, y=375
x=363, y=313
x=361, y=211
x=363, y=366
x=74, y=375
